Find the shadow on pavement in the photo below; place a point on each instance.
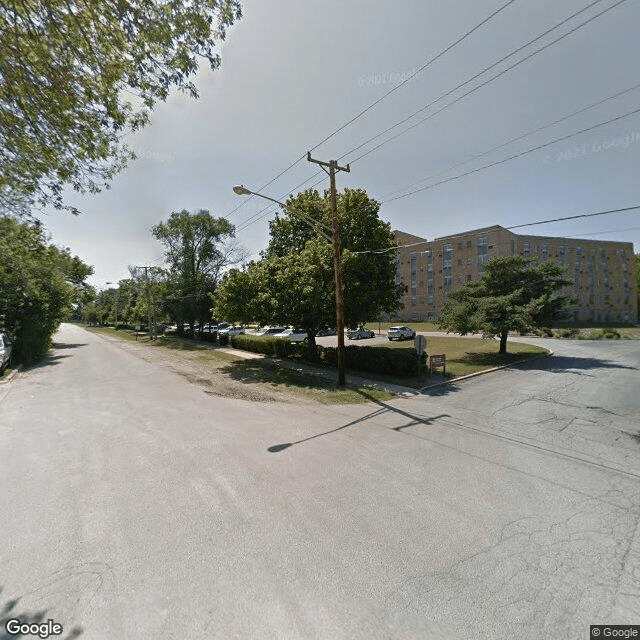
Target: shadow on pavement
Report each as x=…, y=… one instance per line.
x=384, y=408
x=47, y=361
x=560, y=364
x=10, y=610
x=68, y=345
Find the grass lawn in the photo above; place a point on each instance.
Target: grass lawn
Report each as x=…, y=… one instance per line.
x=464, y=356
x=259, y=370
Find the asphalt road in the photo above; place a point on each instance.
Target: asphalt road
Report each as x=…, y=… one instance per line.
x=137, y=506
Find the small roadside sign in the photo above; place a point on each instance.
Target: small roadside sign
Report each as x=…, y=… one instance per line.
x=438, y=361
x=420, y=343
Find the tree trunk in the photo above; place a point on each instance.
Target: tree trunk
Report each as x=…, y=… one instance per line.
x=312, y=347
x=503, y=340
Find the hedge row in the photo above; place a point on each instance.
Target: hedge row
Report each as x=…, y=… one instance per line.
x=279, y=347
x=381, y=360
x=402, y=363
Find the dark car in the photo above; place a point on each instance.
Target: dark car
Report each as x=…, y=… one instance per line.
x=5, y=352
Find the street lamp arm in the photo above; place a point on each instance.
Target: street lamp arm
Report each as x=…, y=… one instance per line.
x=241, y=190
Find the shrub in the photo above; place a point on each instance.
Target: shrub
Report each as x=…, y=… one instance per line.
x=571, y=332
x=402, y=363
x=170, y=332
x=223, y=339
x=609, y=333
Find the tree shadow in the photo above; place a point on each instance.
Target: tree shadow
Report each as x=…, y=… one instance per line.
x=68, y=345
x=10, y=610
x=47, y=361
x=277, y=375
x=561, y=364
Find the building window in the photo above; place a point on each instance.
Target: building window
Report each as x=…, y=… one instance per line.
x=545, y=252
x=468, y=277
x=469, y=244
x=430, y=299
x=525, y=249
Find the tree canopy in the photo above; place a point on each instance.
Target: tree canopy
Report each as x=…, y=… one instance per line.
x=77, y=76
x=39, y=284
x=198, y=247
x=293, y=282
x=510, y=295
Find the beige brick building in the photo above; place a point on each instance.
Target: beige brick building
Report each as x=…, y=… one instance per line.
x=604, y=285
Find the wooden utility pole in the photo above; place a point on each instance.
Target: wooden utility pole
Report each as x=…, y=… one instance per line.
x=337, y=259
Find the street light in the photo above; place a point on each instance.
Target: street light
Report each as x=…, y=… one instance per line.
x=334, y=239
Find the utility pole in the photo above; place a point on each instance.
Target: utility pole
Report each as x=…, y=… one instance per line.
x=150, y=314
x=333, y=167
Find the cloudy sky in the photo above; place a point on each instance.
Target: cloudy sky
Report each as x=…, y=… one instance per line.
x=295, y=72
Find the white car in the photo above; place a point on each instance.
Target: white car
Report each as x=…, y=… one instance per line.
x=359, y=333
x=231, y=331
x=269, y=331
x=401, y=333
x=294, y=335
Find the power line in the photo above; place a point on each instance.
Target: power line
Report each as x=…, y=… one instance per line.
x=494, y=77
x=520, y=137
x=258, y=216
x=383, y=97
x=413, y=75
x=599, y=233
x=517, y=155
x=582, y=215
x=529, y=224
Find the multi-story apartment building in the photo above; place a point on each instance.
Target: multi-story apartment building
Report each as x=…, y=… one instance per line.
x=604, y=285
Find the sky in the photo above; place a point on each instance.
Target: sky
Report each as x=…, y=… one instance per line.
x=294, y=72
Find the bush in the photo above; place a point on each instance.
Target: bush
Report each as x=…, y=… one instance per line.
x=571, y=332
x=603, y=334
x=209, y=336
x=402, y=363
x=270, y=346
x=170, y=332
x=223, y=339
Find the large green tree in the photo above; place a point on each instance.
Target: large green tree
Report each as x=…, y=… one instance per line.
x=39, y=284
x=198, y=247
x=77, y=76
x=510, y=295
x=293, y=283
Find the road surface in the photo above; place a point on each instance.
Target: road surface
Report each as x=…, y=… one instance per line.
x=135, y=505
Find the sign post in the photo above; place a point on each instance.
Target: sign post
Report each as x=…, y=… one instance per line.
x=438, y=361
x=420, y=344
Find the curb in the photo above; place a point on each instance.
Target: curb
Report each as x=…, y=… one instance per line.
x=480, y=373
x=12, y=374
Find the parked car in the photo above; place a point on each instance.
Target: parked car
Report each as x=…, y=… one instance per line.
x=231, y=331
x=359, y=333
x=326, y=331
x=5, y=352
x=295, y=335
x=223, y=325
x=401, y=333
x=269, y=331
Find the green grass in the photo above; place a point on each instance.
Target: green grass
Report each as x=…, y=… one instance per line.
x=279, y=376
x=463, y=356
x=123, y=334
x=275, y=374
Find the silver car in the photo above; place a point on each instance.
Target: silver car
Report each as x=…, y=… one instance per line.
x=401, y=333
x=5, y=352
